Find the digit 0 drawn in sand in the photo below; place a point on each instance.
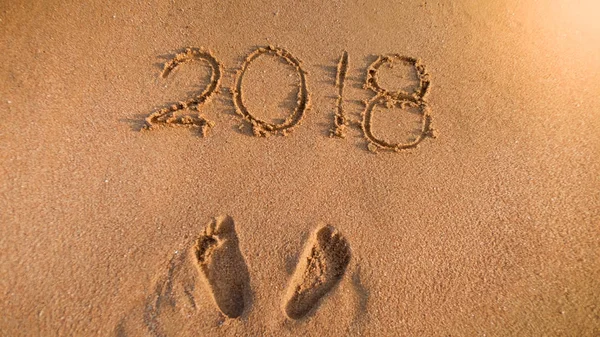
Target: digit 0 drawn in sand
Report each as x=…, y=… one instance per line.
x=340, y=121
x=222, y=266
x=261, y=127
x=397, y=98
x=167, y=116
x=320, y=268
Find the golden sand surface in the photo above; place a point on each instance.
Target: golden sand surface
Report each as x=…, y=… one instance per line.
x=300, y=168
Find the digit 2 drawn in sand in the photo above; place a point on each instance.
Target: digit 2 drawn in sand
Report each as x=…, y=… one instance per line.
x=166, y=116
x=320, y=268
x=398, y=98
x=260, y=127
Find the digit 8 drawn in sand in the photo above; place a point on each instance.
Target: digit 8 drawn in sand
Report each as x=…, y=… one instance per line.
x=397, y=98
x=260, y=127
x=166, y=116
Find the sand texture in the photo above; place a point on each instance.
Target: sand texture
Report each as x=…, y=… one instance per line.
x=300, y=168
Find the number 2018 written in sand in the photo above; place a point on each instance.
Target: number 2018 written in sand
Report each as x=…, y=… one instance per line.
x=383, y=97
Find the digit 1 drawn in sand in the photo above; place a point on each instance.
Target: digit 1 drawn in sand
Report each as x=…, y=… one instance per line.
x=260, y=127
x=398, y=98
x=320, y=268
x=340, y=121
x=166, y=116
x=222, y=266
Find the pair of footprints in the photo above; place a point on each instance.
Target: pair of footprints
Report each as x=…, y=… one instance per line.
x=222, y=266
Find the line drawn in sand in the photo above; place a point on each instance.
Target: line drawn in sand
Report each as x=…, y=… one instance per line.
x=319, y=270
x=260, y=127
x=399, y=98
x=340, y=121
x=167, y=116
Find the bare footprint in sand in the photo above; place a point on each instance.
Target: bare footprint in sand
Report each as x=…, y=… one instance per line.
x=220, y=262
x=321, y=266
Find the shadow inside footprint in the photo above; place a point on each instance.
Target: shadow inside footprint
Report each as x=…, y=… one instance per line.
x=220, y=262
x=320, y=268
